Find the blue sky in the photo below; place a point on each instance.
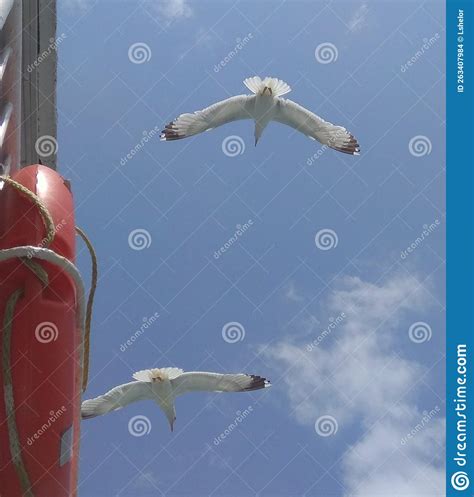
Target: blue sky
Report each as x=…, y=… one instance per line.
x=330, y=328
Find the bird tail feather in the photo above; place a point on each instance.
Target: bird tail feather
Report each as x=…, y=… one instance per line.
x=148, y=375
x=278, y=87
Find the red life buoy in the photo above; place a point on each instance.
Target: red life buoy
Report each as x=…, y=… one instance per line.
x=46, y=344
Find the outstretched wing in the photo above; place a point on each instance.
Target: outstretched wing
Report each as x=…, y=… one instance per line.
x=232, y=109
x=115, y=399
x=301, y=119
x=215, y=382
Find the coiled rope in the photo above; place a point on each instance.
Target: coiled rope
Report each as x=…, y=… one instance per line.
x=29, y=256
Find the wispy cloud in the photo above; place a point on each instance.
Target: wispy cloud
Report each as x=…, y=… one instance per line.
x=292, y=294
x=379, y=465
x=172, y=10
x=356, y=377
x=359, y=18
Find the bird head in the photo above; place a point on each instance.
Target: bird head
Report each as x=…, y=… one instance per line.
x=267, y=89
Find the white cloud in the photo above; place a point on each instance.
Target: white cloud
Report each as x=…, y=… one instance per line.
x=292, y=294
x=203, y=38
x=380, y=465
x=356, y=376
x=359, y=19
x=173, y=9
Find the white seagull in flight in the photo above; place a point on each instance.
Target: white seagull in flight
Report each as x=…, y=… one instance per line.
x=164, y=385
x=263, y=106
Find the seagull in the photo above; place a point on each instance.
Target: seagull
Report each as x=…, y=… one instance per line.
x=263, y=106
x=164, y=385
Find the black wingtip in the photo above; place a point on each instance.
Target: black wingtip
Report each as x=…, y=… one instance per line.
x=170, y=133
x=258, y=382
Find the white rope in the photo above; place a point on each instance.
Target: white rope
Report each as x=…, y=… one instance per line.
x=44, y=254
x=28, y=253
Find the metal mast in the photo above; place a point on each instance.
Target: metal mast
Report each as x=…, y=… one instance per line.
x=28, y=69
